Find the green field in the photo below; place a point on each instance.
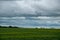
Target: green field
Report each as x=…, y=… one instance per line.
x=29, y=34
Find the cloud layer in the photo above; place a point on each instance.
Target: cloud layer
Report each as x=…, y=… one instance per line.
x=31, y=21
x=30, y=12
x=30, y=8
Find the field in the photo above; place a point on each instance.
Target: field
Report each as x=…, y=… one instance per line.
x=29, y=34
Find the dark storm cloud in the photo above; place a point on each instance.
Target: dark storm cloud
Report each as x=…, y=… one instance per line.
x=28, y=8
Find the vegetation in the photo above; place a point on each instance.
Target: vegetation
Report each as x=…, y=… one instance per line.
x=8, y=27
x=29, y=34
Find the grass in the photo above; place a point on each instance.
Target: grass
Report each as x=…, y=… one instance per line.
x=29, y=34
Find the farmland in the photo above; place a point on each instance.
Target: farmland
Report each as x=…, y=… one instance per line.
x=29, y=34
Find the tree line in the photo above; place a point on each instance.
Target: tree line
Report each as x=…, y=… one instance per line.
x=8, y=27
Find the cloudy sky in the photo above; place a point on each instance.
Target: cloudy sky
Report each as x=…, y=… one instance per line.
x=30, y=13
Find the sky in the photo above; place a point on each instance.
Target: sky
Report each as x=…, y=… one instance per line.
x=30, y=13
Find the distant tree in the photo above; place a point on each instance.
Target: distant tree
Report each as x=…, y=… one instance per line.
x=0, y=26
x=10, y=26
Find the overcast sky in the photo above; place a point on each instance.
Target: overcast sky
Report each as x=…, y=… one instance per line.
x=30, y=12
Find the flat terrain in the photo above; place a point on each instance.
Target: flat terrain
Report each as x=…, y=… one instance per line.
x=29, y=34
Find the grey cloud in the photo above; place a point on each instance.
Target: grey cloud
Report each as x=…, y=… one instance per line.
x=30, y=8
x=30, y=23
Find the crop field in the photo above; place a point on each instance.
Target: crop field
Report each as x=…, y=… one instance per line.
x=29, y=34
